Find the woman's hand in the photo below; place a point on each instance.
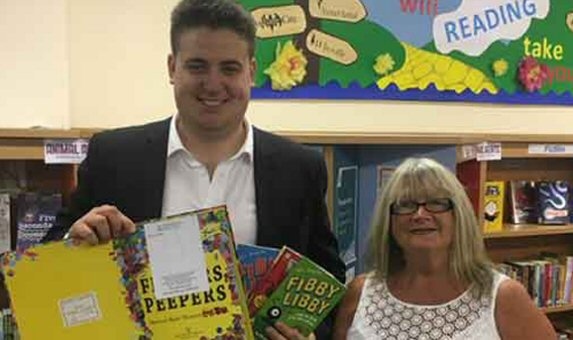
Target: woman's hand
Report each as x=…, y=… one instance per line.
x=281, y=331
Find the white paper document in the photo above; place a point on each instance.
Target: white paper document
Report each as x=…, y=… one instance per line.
x=176, y=257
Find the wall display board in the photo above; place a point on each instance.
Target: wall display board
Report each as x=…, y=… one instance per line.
x=506, y=51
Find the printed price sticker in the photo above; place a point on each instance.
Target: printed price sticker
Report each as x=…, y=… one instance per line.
x=79, y=310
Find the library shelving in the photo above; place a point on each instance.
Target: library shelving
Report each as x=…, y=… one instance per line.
x=22, y=159
x=519, y=161
x=368, y=153
x=531, y=159
x=22, y=168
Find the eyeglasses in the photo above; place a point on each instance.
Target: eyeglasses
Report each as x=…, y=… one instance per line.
x=435, y=205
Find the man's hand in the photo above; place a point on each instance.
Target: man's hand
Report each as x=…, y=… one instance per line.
x=281, y=331
x=100, y=225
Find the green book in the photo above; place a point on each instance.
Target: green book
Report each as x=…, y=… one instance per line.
x=302, y=300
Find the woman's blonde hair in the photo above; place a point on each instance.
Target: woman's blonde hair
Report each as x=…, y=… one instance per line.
x=423, y=178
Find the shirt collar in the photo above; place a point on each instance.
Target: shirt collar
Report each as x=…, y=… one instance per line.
x=174, y=143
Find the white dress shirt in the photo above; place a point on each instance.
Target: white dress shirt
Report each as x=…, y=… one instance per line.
x=188, y=187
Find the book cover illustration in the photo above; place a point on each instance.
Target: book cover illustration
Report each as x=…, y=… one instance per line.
x=553, y=199
x=284, y=261
x=522, y=202
x=255, y=263
x=219, y=313
x=106, y=291
x=303, y=299
x=35, y=214
x=493, y=205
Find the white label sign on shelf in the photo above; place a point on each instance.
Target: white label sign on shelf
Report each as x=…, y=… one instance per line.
x=488, y=151
x=176, y=256
x=552, y=149
x=469, y=151
x=65, y=151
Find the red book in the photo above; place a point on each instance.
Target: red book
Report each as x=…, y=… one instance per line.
x=271, y=280
x=468, y=173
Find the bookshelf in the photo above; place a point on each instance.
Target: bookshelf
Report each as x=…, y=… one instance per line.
x=525, y=230
x=523, y=160
x=22, y=158
x=556, y=310
x=22, y=167
x=513, y=242
x=25, y=146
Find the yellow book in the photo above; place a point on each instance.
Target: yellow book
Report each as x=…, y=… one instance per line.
x=63, y=291
x=494, y=205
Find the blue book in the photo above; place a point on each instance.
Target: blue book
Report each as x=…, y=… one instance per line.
x=255, y=262
x=553, y=198
x=35, y=214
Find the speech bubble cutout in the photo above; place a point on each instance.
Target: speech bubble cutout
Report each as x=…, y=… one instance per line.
x=477, y=24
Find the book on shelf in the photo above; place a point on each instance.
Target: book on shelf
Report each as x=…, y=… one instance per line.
x=131, y=288
x=8, y=329
x=522, y=197
x=34, y=215
x=5, y=230
x=547, y=278
x=304, y=297
x=469, y=174
x=494, y=199
x=568, y=280
x=553, y=200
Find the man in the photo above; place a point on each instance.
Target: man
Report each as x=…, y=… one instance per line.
x=207, y=154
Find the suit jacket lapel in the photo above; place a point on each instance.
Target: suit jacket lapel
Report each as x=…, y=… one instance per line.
x=154, y=174
x=264, y=168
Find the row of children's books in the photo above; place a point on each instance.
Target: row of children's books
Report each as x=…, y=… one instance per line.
x=548, y=280
x=526, y=202
x=112, y=291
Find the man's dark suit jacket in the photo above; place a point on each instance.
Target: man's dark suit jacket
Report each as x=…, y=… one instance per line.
x=126, y=168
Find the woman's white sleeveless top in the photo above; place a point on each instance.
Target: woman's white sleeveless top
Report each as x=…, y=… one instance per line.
x=380, y=315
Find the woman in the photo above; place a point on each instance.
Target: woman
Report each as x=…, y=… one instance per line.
x=431, y=278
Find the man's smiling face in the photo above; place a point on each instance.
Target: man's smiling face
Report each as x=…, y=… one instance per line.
x=212, y=74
